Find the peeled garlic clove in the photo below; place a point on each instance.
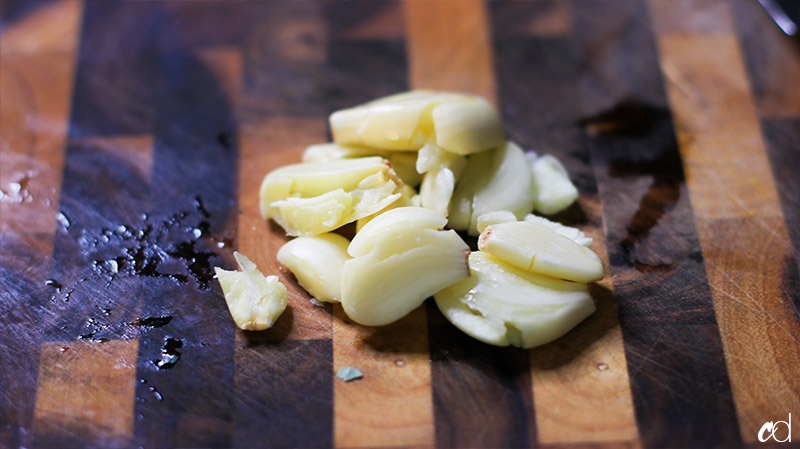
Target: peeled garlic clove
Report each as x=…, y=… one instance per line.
x=554, y=191
x=536, y=248
x=467, y=126
x=399, y=272
x=402, y=162
x=490, y=218
x=432, y=157
x=497, y=180
x=407, y=121
x=316, y=197
x=408, y=197
x=569, y=232
x=500, y=304
x=254, y=300
x=437, y=189
x=393, y=222
x=475, y=175
x=317, y=263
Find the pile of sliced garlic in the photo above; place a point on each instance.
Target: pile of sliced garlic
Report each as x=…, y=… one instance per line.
x=411, y=169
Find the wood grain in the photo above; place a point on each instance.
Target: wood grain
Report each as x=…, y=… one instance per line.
x=497, y=413
x=579, y=381
x=675, y=357
x=133, y=138
x=86, y=393
x=35, y=92
x=37, y=62
x=391, y=405
x=771, y=58
x=456, y=57
x=741, y=228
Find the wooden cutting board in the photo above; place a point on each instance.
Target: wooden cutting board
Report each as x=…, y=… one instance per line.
x=134, y=136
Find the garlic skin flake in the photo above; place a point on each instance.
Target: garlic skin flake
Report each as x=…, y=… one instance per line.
x=502, y=305
x=254, y=300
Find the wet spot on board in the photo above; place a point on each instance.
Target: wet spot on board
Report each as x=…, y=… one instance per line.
x=170, y=355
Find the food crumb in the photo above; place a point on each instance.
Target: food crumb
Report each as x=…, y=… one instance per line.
x=348, y=373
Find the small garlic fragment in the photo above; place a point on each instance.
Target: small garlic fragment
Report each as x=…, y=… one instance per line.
x=554, y=191
x=317, y=263
x=254, y=300
x=537, y=248
x=499, y=216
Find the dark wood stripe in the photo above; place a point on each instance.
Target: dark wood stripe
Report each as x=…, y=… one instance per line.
x=289, y=401
x=781, y=137
x=770, y=58
x=481, y=393
x=542, y=115
x=115, y=92
x=192, y=212
x=681, y=390
x=24, y=266
x=103, y=195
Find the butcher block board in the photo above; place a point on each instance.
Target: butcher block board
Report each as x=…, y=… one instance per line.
x=134, y=136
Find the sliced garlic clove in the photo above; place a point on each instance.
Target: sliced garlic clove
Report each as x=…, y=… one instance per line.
x=316, y=197
x=317, y=263
x=468, y=126
x=407, y=121
x=569, y=232
x=554, y=191
x=536, y=248
x=255, y=301
x=400, y=271
x=499, y=216
x=402, y=162
x=500, y=304
x=437, y=189
x=393, y=222
x=408, y=197
x=497, y=180
x=432, y=157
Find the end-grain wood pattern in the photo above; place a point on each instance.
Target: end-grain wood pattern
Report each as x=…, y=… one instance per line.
x=133, y=138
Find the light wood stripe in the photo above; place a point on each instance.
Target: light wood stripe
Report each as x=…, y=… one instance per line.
x=391, y=405
x=37, y=59
x=739, y=220
x=580, y=382
x=448, y=46
x=264, y=147
x=86, y=390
